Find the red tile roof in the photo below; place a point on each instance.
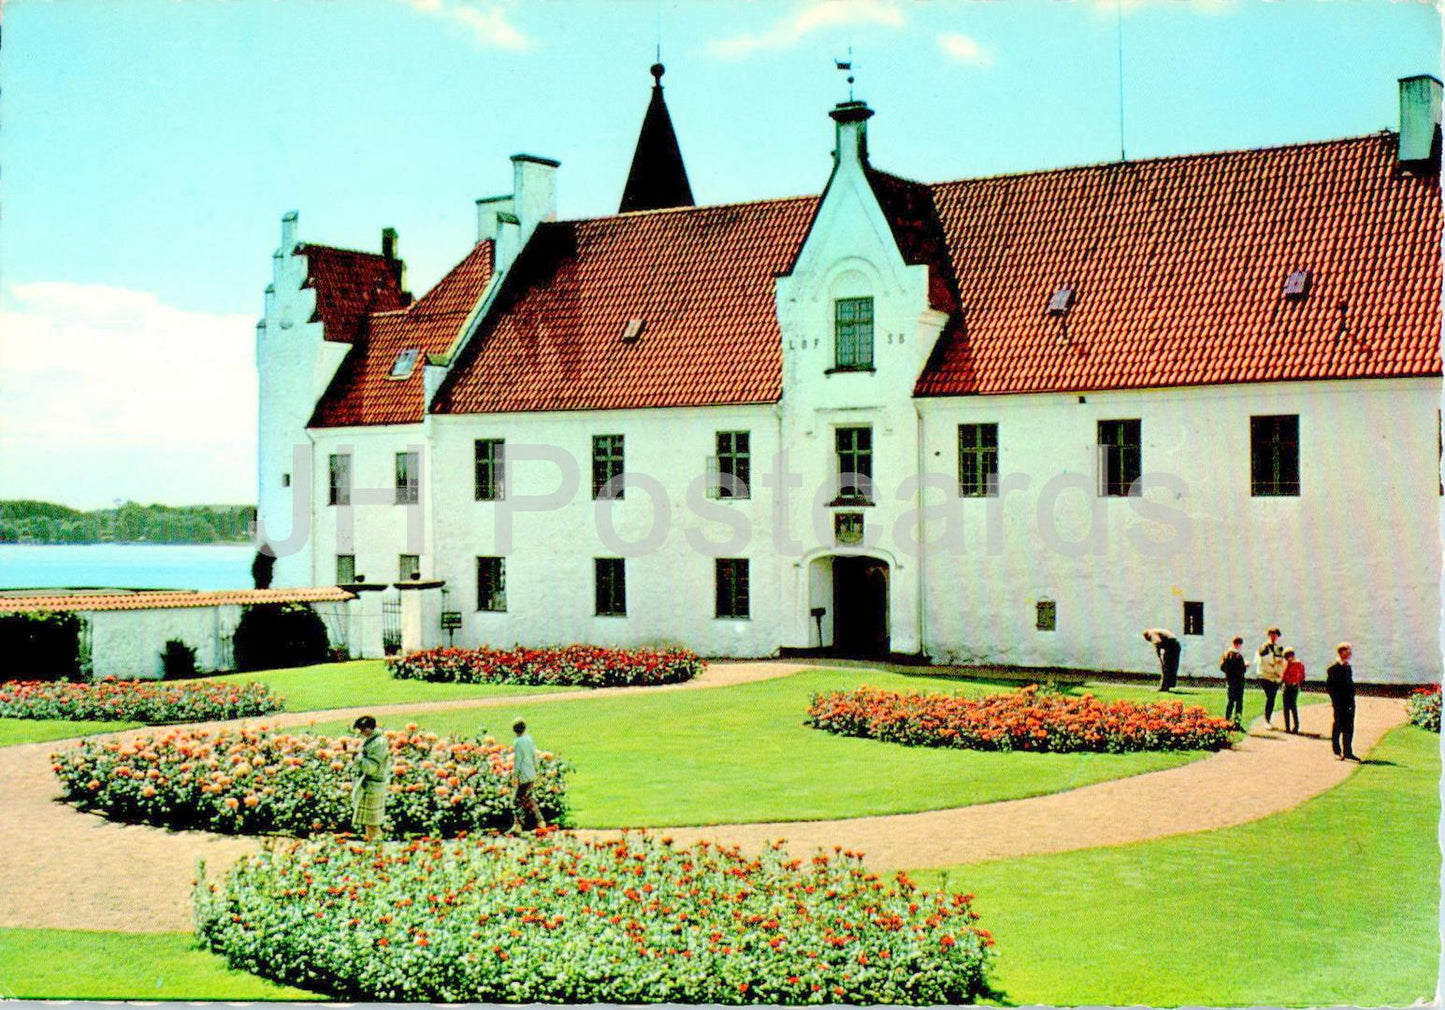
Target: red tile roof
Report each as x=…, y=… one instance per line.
x=349, y=285
x=1179, y=265
x=918, y=232
x=700, y=278
x=363, y=392
x=167, y=600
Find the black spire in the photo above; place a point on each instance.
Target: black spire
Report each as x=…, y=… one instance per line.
x=658, y=178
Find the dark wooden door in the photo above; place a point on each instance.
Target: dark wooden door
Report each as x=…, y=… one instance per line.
x=860, y=606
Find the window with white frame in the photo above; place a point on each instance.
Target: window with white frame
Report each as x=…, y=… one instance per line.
x=408, y=478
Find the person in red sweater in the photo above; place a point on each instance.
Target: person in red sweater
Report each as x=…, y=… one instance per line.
x=1294, y=676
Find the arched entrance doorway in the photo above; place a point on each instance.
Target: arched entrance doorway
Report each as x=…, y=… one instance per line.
x=860, y=606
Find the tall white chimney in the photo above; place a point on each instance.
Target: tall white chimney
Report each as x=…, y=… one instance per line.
x=1420, y=121
x=534, y=191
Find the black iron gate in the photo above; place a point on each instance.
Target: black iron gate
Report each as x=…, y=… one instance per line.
x=391, y=626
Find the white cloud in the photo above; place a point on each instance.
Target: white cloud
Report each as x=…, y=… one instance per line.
x=817, y=15
x=965, y=49
x=109, y=393
x=485, y=21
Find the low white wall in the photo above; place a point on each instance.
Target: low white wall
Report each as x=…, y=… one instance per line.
x=127, y=644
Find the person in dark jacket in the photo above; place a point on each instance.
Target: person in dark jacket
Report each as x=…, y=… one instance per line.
x=1234, y=667
x=1340, y=685
x=1167, y=646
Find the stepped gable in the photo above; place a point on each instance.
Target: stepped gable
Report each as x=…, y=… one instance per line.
x=349, y=285
x=363, y=391
x=701, y=281
x=1179, y=266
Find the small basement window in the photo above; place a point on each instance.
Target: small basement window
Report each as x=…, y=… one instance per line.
x=1046, y=615
x=405, y=362
x=1061, y=301
x=1297, y=285
x=633, y=329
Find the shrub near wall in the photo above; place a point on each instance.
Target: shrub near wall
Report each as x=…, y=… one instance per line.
x=258, y=780
x=587, y=665
x=561, y=919
x=273, y=636
x=1424, y=707
x=41, y=646
x=1023, y=720
x=135, y=700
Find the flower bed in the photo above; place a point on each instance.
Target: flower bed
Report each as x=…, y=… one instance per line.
x=560, y=919
x=261, y=781
x=587, y=665
x=135, y=700
x=1424, y=707
x=1023, y=720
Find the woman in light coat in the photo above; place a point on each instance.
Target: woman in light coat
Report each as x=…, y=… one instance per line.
x=371, y=775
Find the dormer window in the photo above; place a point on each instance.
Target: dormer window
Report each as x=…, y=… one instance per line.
x=1297, y=285
x=1061, y=301
x=405, y=362
x=633, y=330
x=853, y=334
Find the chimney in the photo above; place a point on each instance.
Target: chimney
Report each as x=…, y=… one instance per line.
x=852, y=141
x=1420, y=123
x=489, y=209
x=534, y=192
x=398, y=266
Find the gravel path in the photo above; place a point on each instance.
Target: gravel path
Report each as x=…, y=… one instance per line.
x=70, y=870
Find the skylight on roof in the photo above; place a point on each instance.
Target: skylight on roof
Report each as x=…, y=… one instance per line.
x=1061, y=301
x=1297, y=284
x=633, y=330
x=405, y=362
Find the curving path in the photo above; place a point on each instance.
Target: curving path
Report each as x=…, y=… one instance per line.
x=69, y=870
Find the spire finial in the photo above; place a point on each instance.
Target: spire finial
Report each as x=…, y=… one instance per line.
x=847, y=65
x=657, y=70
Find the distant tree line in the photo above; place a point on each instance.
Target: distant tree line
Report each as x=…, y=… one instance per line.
x=38, y=522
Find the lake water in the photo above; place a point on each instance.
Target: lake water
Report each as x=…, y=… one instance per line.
x=130, y=566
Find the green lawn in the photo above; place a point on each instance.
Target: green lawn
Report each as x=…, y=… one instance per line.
x=82, y=964
x=742, y=754
x=364, y=682
x=1334, y=902
x=13, y=731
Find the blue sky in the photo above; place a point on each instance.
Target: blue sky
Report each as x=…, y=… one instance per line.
x=151, y=146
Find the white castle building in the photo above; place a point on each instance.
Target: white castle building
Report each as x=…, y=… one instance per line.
x=1009, y=420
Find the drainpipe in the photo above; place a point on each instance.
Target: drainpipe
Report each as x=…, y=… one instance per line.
x=922, y=534
x=778, y=447
x=311, y=506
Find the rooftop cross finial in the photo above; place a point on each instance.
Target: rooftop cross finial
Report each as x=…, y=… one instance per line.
x=847, y=65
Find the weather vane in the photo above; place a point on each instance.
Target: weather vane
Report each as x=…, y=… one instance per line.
x=847, y=65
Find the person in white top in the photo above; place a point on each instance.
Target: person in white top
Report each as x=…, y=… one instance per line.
x=528, y=816
x=1271, y=671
